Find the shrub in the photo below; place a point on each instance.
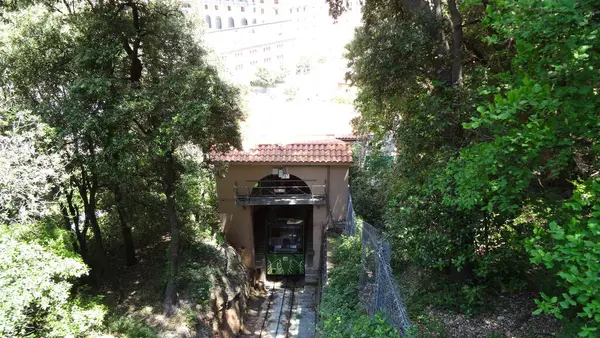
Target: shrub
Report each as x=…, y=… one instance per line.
x=128, y=327
x=36, y=288
x=426, y=327
x=570, y=245
x=340, y=312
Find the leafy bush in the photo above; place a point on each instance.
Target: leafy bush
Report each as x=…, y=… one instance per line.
x=340, y=312
x=433, y=289
x=127, y=327
x=488, y=150
x=570, y=246
x=37, y=298
x=426, y=327
x=264, y=78
x=370, y=185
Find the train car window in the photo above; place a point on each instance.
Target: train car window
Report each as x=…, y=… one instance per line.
x=285, y=238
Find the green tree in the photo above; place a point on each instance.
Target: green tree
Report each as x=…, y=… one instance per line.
x=36, y=283
x=539, y=163
x=124, y=85
x=422, y=102
x=37, y=268
x=264, y=78
x=303, y=65
x=493, y=108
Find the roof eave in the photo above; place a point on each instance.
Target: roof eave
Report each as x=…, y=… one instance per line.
x=284, y=163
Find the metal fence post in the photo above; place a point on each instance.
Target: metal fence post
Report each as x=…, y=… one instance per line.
x=363, y=257
x=379, y=301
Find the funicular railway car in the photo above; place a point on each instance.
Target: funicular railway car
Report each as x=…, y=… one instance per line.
x=286, y=247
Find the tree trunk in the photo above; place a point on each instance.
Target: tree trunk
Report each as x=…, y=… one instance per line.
x=89, y=207
x=457, y=42
x=71, y=215
x=443, y=48
x=169, y=180
x=69, y=227
x=81, y=235
x=90, y=215
x=130, y=258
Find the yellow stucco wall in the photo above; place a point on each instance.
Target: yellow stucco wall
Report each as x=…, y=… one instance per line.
x=236, y=221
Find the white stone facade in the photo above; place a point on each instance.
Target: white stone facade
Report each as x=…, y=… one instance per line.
x=252, y=33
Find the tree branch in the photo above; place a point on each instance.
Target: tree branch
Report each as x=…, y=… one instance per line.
x=139, y=125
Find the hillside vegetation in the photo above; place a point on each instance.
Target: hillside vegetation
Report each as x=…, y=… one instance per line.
x=107, y=111
x=494, y=187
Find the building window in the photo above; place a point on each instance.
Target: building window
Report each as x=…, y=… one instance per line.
x=205, y=6
x=253, y=63
x=279, y=57
x=262, y=11
x=243, y=9
x=237, y=55
x=276, y=2
x=208, y=21
x=276, y=12
x=238, y=67
x=218, y=22
x=266, y=49
x=254, y=21
x=216, y=7
x=244, y=22
x=262, y=1
x=254, y=9
x=229, y=8
x=230, y=23
x=267, y=60
x=298, y=10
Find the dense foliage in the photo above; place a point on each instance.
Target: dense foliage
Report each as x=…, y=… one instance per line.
x=341, y=315
x=40, y=302
x=493, y=108
x=107, y=112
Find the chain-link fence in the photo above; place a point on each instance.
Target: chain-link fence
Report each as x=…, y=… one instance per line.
x=350, y=228
x=379, y=292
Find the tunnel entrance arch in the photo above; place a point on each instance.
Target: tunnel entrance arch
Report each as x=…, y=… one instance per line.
x=282, y=233
x=273, y=185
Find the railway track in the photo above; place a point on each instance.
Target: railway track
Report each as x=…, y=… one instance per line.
x=287, y=311
x=280, y=310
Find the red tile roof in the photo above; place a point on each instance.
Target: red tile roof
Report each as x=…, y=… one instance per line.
x=329, y=151
x=347, y=138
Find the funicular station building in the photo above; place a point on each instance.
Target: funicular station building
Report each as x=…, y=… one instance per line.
x=276, y=200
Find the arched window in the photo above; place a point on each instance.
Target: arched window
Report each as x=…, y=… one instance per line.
x=218, y=22
x=230, y=23
x=254, y=21
x=244, y=22
x=208, y=21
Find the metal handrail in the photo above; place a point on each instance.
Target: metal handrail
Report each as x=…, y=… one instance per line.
x=295, y=190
